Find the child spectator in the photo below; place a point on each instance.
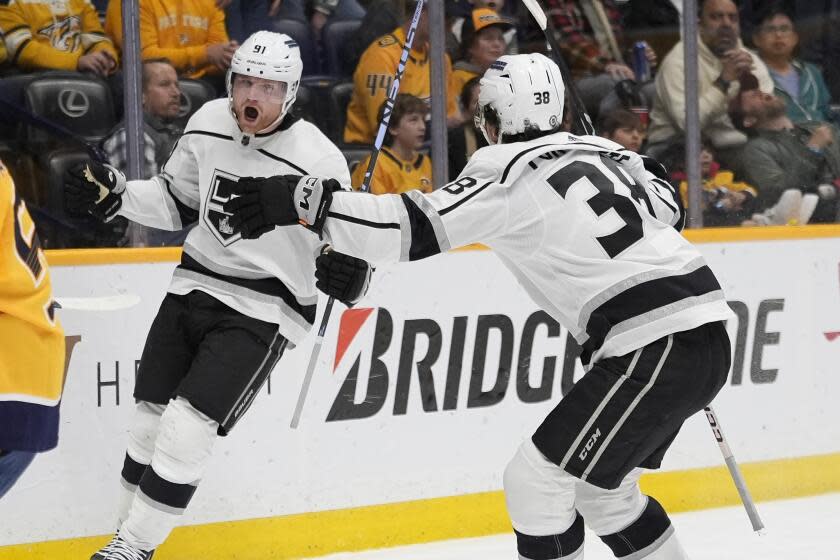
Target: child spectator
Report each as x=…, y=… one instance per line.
x=799, y=83
x=623, y=127
x=400, y=167
x=45, y=35
x=726, y=202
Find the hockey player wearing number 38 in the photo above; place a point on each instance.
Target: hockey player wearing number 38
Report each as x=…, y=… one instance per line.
x=234, y=304
x=591, y=231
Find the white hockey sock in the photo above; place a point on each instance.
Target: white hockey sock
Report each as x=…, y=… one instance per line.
x=182, y=449
x=138, y=454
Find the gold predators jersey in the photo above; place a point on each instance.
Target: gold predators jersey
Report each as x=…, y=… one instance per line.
x=31, y=338
x=180, y=35
x=51, y=34
x=372, y=81
x=393, y=175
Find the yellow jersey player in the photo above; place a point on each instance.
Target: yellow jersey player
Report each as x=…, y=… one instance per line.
x=31, y=341
x=375, y=72
x=400, y=167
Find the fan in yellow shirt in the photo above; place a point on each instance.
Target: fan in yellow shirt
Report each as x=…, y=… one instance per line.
x=375, y=72
x=400, y=166
x=192, y=37
x=31, y=341
x=41, y=34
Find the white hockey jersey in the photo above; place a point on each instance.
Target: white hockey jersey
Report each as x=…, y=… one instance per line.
x=271, y=278
x=590, y=234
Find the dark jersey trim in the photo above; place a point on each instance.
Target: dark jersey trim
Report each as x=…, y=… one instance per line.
x=361, y=222
x=207, y=133
x=465, y=199
x=644, y=298
x=28, y=426
x=424, y=242
x=269, y=286
x=188, y=215
x=387, y=153
x=517, y=157
x=281, y=160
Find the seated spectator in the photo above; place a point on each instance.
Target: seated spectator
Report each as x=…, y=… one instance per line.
x=483, y=42
x=725, y=201
x=192, y=38
x=591, y=38
x=375, y=72
x=459, y=11
x=623, y=127
x=781, y=155
x=722, y=60
x=400, y=167
x=319, y=12
x=465, y=139
x=161, y=103
x=46, y=35
x=800, y=84
x=245, y=17
x=380, y=18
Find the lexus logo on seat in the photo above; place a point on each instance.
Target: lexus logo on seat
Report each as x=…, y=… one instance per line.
x=73, y=103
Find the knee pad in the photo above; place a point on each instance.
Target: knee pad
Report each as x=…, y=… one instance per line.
x=651, y=536
x=185, y=440
x=144, y=430
x=540, y=495
x=609, y=511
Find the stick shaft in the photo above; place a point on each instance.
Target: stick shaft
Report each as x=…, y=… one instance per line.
x=734, y=471
x=377, y=147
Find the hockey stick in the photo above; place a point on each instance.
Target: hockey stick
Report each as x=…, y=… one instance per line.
x=735, y=472
x=584, y=123
x=103, y=303
x=377, y=147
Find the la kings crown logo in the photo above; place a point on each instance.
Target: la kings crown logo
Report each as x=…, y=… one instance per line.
x=216, y=219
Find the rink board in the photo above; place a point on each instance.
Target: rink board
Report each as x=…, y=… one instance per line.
x=414, y=454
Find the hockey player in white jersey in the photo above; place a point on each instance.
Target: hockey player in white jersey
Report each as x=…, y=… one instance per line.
x=591, y=231
x=234, y=305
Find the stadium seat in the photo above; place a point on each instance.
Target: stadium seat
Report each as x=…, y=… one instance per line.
x=335, y=35
x=11, y=98
x=300, y=32
x=194, y=94
x=339, y=100
x=354, y=154
x=313, y=102
x=81, y=104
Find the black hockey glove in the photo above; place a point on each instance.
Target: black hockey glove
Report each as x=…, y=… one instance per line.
x=656, y=168
x=93, y=188
x=261, y=203
x=343, y=277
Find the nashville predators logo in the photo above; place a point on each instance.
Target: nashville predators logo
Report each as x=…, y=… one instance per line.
x=64, y=35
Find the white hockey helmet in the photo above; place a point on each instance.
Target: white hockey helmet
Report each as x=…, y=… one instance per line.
x=270, y=56
x=520, y=92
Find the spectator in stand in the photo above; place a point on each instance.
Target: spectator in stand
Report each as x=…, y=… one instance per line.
x=245, y=17
x=375, y=72
x=458, y=11
x=401, y=167
x=722, y=61
x=193, y=37
x=465, y=139
x=800, y=84
x=623, y=127
x=725, y=201
x=591, y=39
x=483, y=41
x=47, y=35
x=781, y=155
x=161, y=103
x=319, y=12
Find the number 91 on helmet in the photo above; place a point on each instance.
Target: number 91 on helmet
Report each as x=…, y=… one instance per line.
x=263, y=80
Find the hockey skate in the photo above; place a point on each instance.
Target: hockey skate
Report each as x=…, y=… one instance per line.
x=118, y=549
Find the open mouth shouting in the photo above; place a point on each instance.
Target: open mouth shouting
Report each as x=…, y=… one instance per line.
x=251, y=114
